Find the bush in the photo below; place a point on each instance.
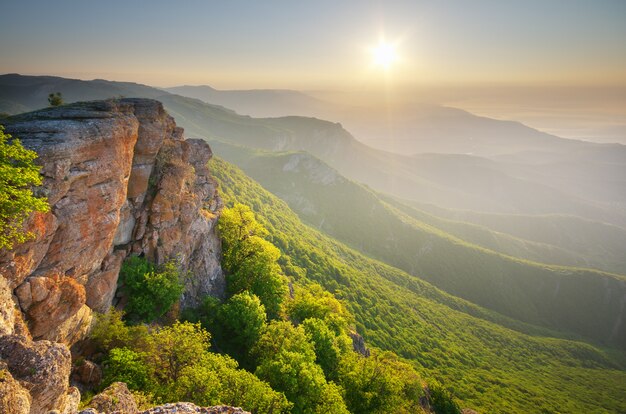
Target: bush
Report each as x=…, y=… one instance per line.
x=110, y=332
x=126, y=365
x=18, y=173
x=151, y=290
x=441, y=400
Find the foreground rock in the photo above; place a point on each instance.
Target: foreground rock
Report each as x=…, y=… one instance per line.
x=115, y=398
x=42, y=368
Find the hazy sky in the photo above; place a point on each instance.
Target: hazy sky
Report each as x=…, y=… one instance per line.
x=316, y=44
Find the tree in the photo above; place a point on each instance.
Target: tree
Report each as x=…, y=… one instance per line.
x=381, y=383
x=287, y=362
x=327, y=344
x=172, y=348
x=313, y=301
x=151, y=290
x=250, y=261
x=18, y=173
x=55, y=99
x=441, y=400
x=127, y=366
x=241, y=319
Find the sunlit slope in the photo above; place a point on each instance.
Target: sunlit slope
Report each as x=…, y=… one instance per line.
x=582, y=301
x=490, y=368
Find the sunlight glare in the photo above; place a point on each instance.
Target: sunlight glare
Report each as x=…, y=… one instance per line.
x=384, y=54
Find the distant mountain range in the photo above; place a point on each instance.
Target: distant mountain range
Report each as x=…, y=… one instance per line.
x=256, y=102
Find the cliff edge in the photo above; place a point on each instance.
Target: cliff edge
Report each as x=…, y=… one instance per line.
x=121, y=180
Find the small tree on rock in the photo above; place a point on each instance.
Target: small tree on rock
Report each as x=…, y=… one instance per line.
x=18, y=173
x=55, y=99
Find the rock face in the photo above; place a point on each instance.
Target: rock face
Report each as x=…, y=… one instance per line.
x=121, y=180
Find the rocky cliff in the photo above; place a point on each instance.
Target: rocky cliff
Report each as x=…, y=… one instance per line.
x=121, y=180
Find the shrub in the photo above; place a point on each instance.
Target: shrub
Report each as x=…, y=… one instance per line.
x=110, y=332
x=127, y=366
x=18, y=173
x=441, y=400
x=151, y=290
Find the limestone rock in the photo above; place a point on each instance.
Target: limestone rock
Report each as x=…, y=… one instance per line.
x=42, y=367
x=189, y=408
x=115, y=398
x=7, y=309
x=86, y=374
x=13, y=397
x=72, y=401
x=52, y=301
x=121, y=180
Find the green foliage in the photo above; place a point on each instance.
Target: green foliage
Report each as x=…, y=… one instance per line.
x=172, y=363
x=55, y=99
x=328, y=346
x=18, y=173
x=110, y=332
x=127, y=366
x=151, y=290
x=441, y=400
x=172, y=348
x=250, y=261
x=380, y=383
x=241, y=320
x=493, y=363
x=313, y=301
x=287, y=361
x=214, y=379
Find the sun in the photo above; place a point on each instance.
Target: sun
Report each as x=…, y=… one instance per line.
x=384, y=54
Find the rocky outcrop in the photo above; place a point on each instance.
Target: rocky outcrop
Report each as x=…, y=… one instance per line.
x=43, y=368
x=189, y=408
x=121, y=180
x=13, y=397
x=358, y=344
x=86, y=375
x=115, y=398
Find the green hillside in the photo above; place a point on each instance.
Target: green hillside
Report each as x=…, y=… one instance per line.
x=489, y=367
x=599, y=244
x=580, y=301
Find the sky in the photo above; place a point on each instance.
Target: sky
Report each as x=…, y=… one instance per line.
x=318, y=44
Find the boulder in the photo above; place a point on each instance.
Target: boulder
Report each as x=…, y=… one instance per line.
x=115, y=398
x=14, y=398
x=42, y=367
